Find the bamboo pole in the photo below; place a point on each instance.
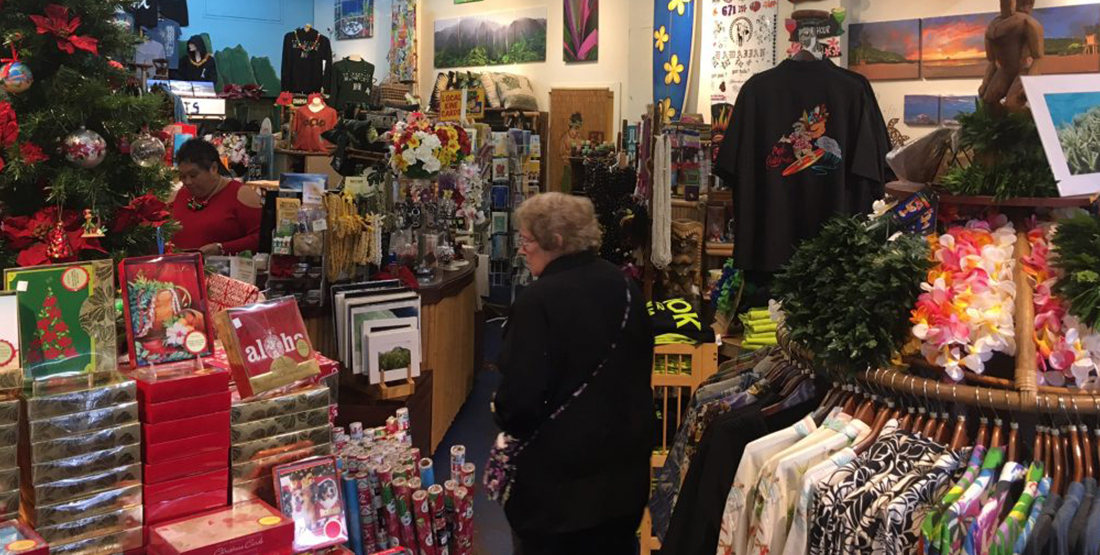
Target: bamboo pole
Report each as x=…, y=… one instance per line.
x=1026, y=356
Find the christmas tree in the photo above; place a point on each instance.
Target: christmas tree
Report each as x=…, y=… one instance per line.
x=69, y=112
x=52, y=339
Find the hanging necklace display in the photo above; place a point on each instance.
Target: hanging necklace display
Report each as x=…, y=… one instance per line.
x=306, y=48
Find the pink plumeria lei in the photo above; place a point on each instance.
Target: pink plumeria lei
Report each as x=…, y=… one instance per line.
x=966, y=311
x=1067, y=349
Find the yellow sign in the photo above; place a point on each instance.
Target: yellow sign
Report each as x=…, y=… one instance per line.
x=450, y=104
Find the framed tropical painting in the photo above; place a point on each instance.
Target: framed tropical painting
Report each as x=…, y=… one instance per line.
x=582, y=29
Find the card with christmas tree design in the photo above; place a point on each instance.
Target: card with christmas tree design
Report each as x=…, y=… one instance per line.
x=66, y=318
x=165, y=303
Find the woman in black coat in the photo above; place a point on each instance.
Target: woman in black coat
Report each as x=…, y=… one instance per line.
x=582, y=484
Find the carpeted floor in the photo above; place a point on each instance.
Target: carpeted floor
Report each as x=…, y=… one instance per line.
x=474, y=428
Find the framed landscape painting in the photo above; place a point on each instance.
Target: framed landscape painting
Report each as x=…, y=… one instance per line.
x=514, y=37
x=885, y=50
x=953, y=47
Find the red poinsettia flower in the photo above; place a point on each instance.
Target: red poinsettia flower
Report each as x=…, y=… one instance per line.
x=28, y=235
x=9, y=125
x=32, y=153
x=144, y=210
x=285, y=99
x=58, y=23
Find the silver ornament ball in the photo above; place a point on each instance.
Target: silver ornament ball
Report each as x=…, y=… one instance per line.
x=84, y=148
x=147, y=151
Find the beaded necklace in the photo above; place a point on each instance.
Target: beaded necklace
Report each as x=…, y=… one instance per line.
x=306, y=47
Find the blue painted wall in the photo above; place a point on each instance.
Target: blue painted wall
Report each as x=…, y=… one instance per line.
x=258, y=25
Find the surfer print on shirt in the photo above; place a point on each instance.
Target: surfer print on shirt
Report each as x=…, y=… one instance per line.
x=807, y=147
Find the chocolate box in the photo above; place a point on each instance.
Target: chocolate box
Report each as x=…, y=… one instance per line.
x=259, y=489
x=251, y=470
x=9, y=410
x=9, y=434
x=119, y=542
x=267, y=344
x=192, y=464
x=82, y=422
x=51, y=493
x=186, y=486
x=90, y=463
x=190, y=407
x=269, y=427
x=313, y=397
x=98, y=525
x=70, y=402
x=186, y=447
x=171, y=384
x=156, y=513
x=173, y=430
x=18, y=538
x=100, y=503
x=9, y=479
x=250, y=528
x=73, y=446
x=9, y=502
x=269, y=447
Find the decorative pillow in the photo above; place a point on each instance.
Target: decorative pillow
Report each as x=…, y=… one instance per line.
x=516, y=92
x=490, y=86
x=441, y=82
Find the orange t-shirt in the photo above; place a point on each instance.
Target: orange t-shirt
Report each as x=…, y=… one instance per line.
x=308, y=126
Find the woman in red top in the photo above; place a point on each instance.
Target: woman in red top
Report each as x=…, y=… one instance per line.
x=218, y=215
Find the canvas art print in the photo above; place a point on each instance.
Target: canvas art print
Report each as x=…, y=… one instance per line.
x=354, y=19
x=1069, y=39
x=1066, y=109
x=514, y=37
x=922, y=110
x=954, y=46
x=885, y=50
x=166, y=309
x=582, y=28
x=66, y=318
x=953, y=106
x=309, y=493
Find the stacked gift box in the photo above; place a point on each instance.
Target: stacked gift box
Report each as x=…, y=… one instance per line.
x=249, y=528
x=276, y=429
x=16, y=537
x=81, y=467
x=9, y=468
x=185, y=426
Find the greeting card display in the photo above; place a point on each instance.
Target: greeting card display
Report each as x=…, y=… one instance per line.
x=66, y=318
x=11, y=374
x=267, y=345
x=166, y=309
x=251, y=528
x=309, y=493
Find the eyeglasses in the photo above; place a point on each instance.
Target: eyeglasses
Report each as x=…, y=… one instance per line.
x=524, y=242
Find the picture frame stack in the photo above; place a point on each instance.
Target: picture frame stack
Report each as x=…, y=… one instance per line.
x=377, y=327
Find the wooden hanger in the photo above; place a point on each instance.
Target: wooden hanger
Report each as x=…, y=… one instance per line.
x=1086, y=448
x=1013, y=429
x=1078, y=456
x=959, y=439
x=930, y=426
x=918, y=424
x=995, y=437
x=1037, y=450
x=983, y=431
x=941, y=431
x=1056, y=457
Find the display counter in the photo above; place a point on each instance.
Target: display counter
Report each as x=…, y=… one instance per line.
x=448, y=361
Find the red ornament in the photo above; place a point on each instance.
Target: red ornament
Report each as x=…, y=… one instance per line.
x=35, y=236
x=58, y=23
x=57, y=243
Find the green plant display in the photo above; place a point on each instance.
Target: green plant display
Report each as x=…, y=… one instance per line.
x=847, y=293
x=1080, y=142
x=1077, y=245
x=1009, y=161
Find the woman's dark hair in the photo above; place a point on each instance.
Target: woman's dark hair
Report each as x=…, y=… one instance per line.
x=200, y=153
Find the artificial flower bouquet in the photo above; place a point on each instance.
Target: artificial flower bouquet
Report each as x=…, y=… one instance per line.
x=420, y=149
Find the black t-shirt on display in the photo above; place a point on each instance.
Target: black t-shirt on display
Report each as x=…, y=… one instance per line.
x=806, y=142
x=144, y=12
x=307, y=61
x=176, y=10
x=351, y=83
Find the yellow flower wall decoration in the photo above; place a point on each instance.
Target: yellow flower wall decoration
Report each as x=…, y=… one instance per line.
x=660, y=37
x=673, y=67
x=667, y=109
x=677, y=6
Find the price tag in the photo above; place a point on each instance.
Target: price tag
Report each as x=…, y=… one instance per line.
x=21, y=286
x=320, y=225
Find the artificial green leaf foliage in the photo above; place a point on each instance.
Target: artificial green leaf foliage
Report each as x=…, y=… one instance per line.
x=1077, y=245
x=847, y=293
x=1009, y=160
x=71, y=91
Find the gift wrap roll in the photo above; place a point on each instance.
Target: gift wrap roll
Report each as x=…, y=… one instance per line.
x=427, y=473
x=458, y=458
x=351, y=498
x=403, y=497
x=393, y=525
x=368, y=518
x=425, y=535
x=464, y=523
x=469, y=477
x=438, y=508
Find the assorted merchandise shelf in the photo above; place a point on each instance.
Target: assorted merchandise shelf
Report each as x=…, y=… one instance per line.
x=678, y=370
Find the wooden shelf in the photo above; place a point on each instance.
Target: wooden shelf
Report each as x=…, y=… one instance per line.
x=905, y=188
x=719, y=249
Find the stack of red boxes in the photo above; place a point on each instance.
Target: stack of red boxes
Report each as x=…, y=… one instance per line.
x=185, y=447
